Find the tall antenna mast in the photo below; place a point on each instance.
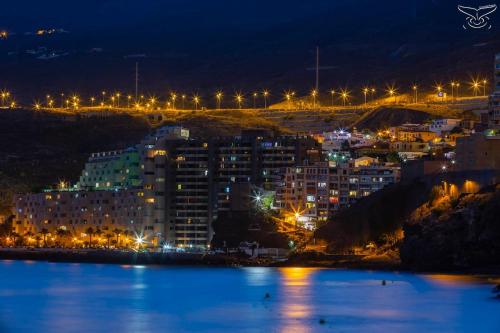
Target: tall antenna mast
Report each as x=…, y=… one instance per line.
x=136, y=80
x=317, y=68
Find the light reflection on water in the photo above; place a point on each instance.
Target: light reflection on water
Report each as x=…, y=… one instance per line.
x=41, y=297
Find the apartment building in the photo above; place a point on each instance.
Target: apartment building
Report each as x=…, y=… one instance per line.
x=315, y=192
x=111, y=170
x=77, y=210
x=439, y=126
x=189, y=182
x=480, y=151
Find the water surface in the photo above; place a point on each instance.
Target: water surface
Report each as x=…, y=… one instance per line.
x=50, y=297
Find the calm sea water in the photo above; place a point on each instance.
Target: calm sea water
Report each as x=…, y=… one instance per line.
x=49, y=297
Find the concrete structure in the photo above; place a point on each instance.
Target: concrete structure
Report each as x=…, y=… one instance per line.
x=75, y=211
x=409, y=146
x=497, y=72
x=480, y=151
x=111, y=170
x=439, y=126
x=189, y=182
x=315, y=192
x=494, y=101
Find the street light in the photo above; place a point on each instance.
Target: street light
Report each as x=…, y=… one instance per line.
x=92, y=99
x=365, y=92
x=173, y=97
x=218, y=96
x=266, y=94
x=288, y=97
x=484, y=87
x=475, y=87
x=392, y=92
x=183, y=97
x=415, y=91
x=196, y=101
x=254, y=100
x=345, y=96
x=314, y=93
x=239, y=99
x=332, y=93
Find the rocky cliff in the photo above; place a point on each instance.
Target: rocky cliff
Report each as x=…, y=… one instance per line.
x=454, y=232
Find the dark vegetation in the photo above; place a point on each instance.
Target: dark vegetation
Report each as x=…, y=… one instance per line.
x=235, y=227
x=371, y=218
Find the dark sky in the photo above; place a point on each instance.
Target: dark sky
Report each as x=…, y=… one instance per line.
x=204, y=45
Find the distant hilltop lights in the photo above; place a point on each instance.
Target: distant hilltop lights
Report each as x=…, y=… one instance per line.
x=4, y=34
x=367, y=96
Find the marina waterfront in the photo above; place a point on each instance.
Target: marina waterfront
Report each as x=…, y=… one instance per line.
x=48, y=297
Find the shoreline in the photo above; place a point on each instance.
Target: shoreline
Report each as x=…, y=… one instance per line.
x=116, y=257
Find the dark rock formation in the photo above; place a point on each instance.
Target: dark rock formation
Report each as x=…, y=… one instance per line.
x=460, y=233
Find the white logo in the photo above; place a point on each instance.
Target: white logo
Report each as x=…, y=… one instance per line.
x=477, y=18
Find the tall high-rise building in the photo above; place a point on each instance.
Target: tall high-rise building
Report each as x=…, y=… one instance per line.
x=494, y=103
x=189, y=182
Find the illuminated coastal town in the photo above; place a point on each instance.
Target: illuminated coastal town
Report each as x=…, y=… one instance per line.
x=164, y=192
x=249, y=166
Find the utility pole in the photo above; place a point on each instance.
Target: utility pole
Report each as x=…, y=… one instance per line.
x=317, y=68
x=136, y=80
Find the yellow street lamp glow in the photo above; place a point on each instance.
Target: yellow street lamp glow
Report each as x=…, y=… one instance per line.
x=218, y=97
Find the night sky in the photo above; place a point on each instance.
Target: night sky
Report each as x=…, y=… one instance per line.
x=202, y=46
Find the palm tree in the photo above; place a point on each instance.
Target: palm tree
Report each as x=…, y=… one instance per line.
x=28, y=235
x=90, y=231
x=117, y=232
x=44, y=233
x=128, y=233
x=38, y=239
x=98, y=233
x=15, y=237
x=108, y=237
x=61, y=233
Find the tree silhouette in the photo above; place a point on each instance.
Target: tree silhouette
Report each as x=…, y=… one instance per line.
x=90, y=231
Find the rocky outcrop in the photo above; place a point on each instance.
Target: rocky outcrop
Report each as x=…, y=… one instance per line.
x=454, y=233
